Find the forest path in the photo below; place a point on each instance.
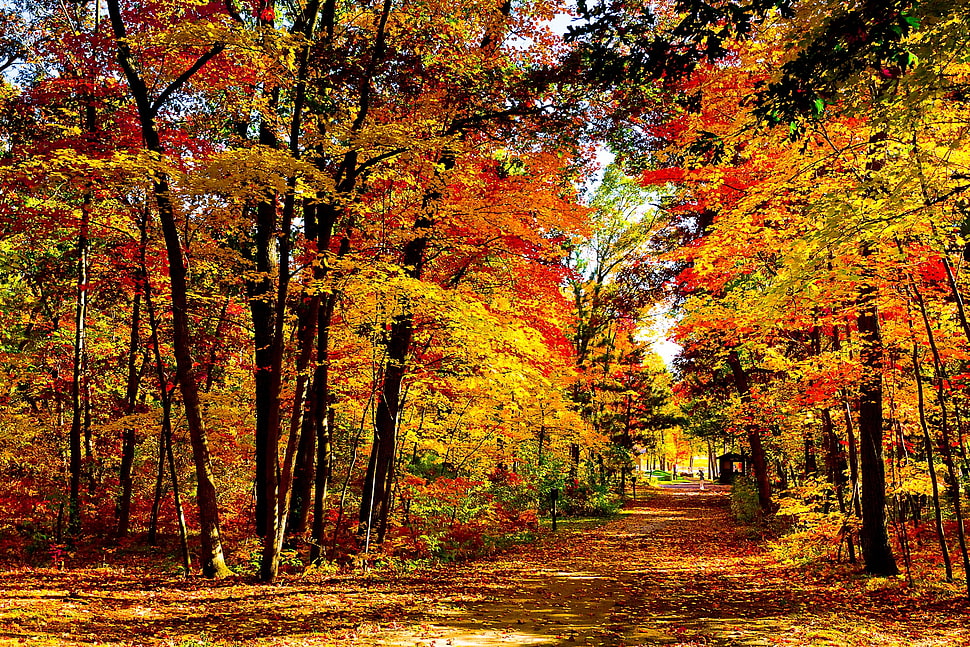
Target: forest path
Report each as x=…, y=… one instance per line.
x=673, y=570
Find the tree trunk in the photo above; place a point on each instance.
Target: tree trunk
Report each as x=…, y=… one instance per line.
x=266, y=378
x=166, y=437
x=811, y=464
x=876, y=552
x=212, y=557
x=758, y=459
x=77, y=378
x=931, y=466
x=946, y=446
x=380, y=467
x=835, y=464
x=129, y=440
x=302, y=423
x=573, y=462
x=321, y=431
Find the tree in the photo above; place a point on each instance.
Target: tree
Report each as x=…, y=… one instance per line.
x=213, y=559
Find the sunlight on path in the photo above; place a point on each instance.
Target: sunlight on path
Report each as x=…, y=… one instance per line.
x=594, y=588
x=671, y=571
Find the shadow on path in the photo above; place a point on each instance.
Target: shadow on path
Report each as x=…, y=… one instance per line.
x=672, y=570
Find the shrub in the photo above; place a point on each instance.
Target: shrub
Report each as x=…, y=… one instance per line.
x=816, y=525
x=588, y=500
x=512, y=491
x=456, y=518
x=744, y=500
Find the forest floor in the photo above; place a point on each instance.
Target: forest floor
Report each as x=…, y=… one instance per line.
x=674, y=569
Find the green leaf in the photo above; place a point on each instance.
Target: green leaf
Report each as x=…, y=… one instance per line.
x=819, y=107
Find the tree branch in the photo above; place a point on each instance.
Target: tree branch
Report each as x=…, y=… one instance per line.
x=185, y=76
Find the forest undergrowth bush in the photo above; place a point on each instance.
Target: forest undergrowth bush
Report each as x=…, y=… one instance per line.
x=752, y=521
x=589, y=500
x=448, y=519
x=811, y=527
x=744, y=500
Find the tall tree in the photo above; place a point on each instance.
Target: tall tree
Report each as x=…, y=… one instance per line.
x=213, y=558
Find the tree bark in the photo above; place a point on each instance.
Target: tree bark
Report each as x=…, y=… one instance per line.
x=931, y=466
x=166, y=437
x=946, y=446
x=835, y=464
x=877, y=555
x=758, y=460
x=380, y=467
x=129, y=439
x=78, y=391
x=302, y=422
x=212, y=557
x=322, y=429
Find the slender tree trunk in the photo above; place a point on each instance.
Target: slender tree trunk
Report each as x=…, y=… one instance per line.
x=711, y=462
x=80, y=391
x=77, y=378
x=573, y=462
x=374, y=506
x=323, y=421
x=159, y=474
x=946, y=446
x=849, y=431
x=957, y=295
x=129, y=440
x=266, y=378
x=213, y=559
x=302, y=421
x=836, y=467
x=931, y=466
x=541, y=442
x=273, y=481
x=876, y=552
x=322, y=429
x=758, y=459
x=811, y=464
x=380, y=467
x=166, y=439
x=213, y=562
x=853, y=457
x=177, y=501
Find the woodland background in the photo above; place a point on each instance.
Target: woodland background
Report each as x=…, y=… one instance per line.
x=296, y=282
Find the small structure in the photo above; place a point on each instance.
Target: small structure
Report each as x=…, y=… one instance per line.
x=730, y=465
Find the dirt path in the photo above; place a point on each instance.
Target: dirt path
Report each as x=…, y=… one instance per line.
x=673, y=570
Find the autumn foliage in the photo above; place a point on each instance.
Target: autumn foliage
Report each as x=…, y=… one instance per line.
x=287, y=272
x=312, y=285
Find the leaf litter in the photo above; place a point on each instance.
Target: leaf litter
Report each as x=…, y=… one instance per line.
x=673, y=569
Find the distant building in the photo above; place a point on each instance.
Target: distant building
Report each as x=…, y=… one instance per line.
x=731, y=465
